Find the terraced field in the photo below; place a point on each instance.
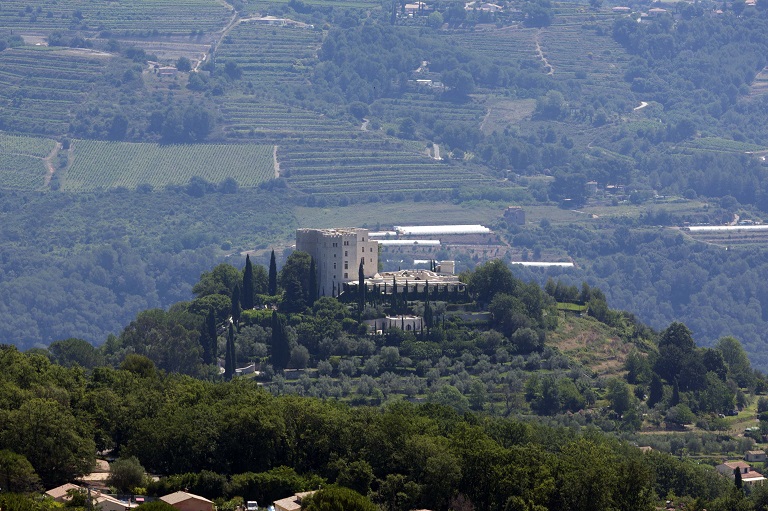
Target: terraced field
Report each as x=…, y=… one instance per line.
x=427, y=105
x=369, y=168
x=21, y=162
x=253, y=6
x=39, y=87
x=28, y=146
x=270, y=56
x=102, y=165
x=507, y=44
x=127, y=17
x=570, y=49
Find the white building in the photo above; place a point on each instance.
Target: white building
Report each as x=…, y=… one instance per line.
x=337, y=254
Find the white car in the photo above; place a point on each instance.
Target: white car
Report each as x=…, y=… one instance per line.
x=252, y=505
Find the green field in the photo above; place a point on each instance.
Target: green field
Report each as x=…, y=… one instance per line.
x=102, y=165
x=40, y=87
x=20, y=172
x=136, y=16
x=30, y=146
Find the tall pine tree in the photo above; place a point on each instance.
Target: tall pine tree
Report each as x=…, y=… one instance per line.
x=248, y=292
x=272, y=275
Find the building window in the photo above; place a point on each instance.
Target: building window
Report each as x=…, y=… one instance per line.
x=334, y=266
x=335, y=244
x=346, y=276
x=346, y=243
x=363, y=239
x=346, y=253
x=346, y=265
x=362, y=249
x=371, y=249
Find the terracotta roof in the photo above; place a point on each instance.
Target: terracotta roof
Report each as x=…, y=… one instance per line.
x=737, y=464
x=755, y=452
x=61, y=491
x=181, y=496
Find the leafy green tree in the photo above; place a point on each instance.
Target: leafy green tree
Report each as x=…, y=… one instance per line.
x=337, y=498
x=491, y=278
x=586, y=476
x=59, y=446
x=294, y=279
x=737, y=361
x=17, y=474
x=272, y=289
x=126, y=474
x=76, y=351
x=618, y=396
x=183, y=64
x=219, y=281
x=139, y=365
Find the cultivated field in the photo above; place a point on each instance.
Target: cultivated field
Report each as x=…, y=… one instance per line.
x=134, y=17
x=18, y=172
x=101, y=165
x=40, y=87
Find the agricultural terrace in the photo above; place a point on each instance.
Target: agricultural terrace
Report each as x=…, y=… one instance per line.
x=121, y=18
x=40, y=87
x=170, y=49
x=269, y=56
x=248, y=117
x=574, y=52
x=430, y=109
x=259, y=6
x=510, y=44
x=721, y=145
x=20, y=172
x=370, y=168
x=101, y=165
x=28, y=146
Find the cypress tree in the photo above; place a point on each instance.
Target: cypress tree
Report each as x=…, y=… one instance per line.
x=281, y=353
x=427, y=310
x=236, y=304
x=737, y=478
x=248, y=290
x=272, y=275
x=675, y=393
x=208, y=338
x=361, y=286
x=312, y=282
x=229, y=357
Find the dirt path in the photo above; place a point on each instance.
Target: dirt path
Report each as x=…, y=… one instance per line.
x=643, y=104
x=437, y=151
x=364, y=127
x=48, y=160
x=275, y=162
x=542, y=57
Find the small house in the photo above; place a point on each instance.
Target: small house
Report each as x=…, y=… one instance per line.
x=184, y=501
x=755, y=456
x=60, y=493
x=292, y=503
x=748, y=474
